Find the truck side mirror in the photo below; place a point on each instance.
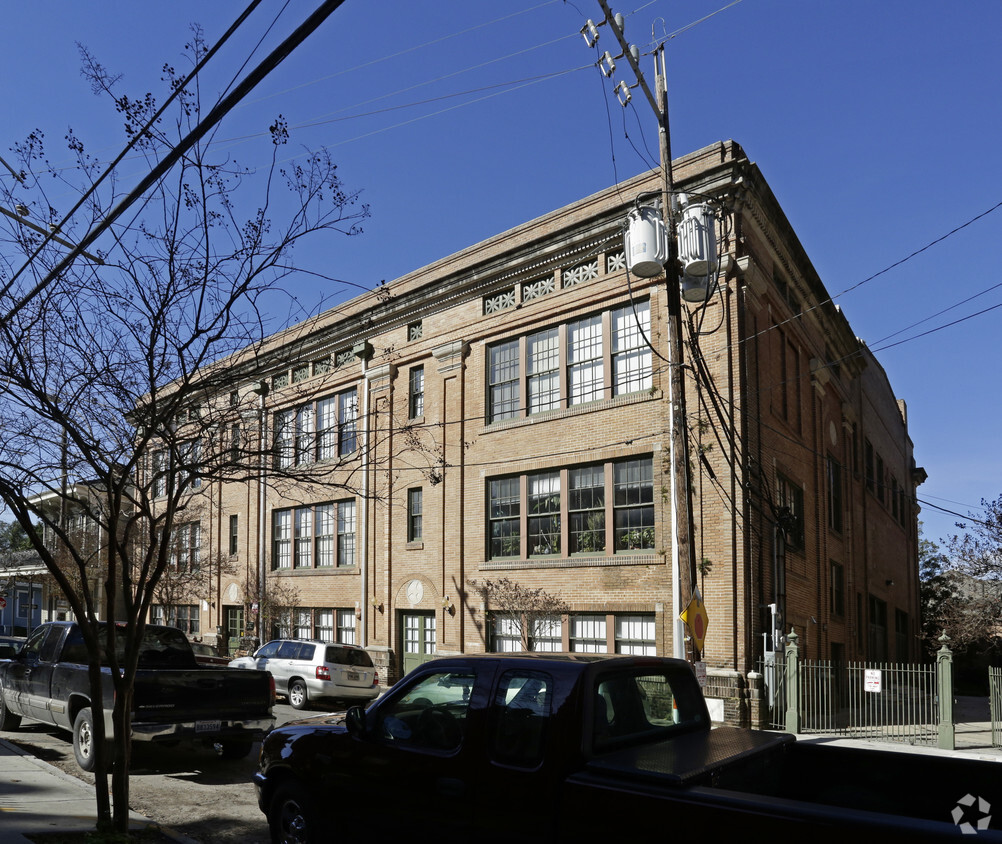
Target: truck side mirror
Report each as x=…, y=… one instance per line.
x=354, y=720
x=8, y=652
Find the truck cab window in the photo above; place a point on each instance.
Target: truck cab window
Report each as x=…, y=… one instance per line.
x=520, y=716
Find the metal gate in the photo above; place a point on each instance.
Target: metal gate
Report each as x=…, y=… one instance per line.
x=884, y=701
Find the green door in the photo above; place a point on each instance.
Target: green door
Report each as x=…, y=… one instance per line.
x=234, y=616
x=418, y=630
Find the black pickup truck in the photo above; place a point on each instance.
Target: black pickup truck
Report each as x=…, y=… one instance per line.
x=174, y=697
x=582, y=748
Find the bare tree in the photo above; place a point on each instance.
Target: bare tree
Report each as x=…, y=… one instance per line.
x=524, y=614
x=971, y=608
x=119, y=372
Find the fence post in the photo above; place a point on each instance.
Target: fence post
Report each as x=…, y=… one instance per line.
x=944, y=688
x=792, y=683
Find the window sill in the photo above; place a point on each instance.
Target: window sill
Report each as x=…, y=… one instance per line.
x=574, y=410
x=636, y=558
x=415, y=545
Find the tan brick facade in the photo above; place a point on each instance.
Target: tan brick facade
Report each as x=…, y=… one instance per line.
x=556, y=475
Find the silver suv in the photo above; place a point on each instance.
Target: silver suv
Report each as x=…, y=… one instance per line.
x=306, y=670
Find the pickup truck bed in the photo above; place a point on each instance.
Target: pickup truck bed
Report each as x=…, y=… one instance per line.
x=174, y=697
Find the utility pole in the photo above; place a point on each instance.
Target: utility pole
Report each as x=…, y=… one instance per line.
x=683, y=527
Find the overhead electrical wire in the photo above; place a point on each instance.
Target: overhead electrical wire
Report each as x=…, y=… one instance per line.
x=133, y=141
x=276, y=57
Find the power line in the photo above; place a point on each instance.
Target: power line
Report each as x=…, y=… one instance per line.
x=273, y=60
x=175, y=93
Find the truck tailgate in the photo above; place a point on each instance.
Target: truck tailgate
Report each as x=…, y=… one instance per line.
x=206, y=693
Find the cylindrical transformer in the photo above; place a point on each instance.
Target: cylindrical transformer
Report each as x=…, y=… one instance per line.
x=697, y=240
x=646, y=242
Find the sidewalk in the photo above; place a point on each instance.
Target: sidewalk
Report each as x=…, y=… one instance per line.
x=36, y=797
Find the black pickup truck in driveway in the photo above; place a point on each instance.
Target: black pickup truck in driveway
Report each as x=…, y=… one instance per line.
x=583, y=748
x=174, y=697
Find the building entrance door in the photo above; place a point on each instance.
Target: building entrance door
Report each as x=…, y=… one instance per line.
x=234, y=620
x=418, y=632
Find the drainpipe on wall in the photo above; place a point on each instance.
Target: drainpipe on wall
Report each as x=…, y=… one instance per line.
x=262, y=391
x=363, y=621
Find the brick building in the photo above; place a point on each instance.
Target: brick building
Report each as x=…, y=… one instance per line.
x=503, y=412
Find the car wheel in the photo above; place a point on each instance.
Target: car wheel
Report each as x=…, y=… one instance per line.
x=298, y=697
x=8, y=720
x=292, y=816
x=84, y=743
x=234, y=749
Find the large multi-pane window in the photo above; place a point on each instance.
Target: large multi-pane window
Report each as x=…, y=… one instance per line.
x=635, y=634
x=588, y=634
x=347, y=409
x=303, y=547
x=790, y=500
x=631, y=354
x=544, y=514
x=305, y=433
x=585, y=519
x=547, y=634
x=304, y=537
x=507, y=635
x=503, y=381
x=191, y=460
x=323, y=625
x=302, y=624
x=188, y=546
x=505, y=522
x=325, y=522
x=543, y=370
x=346, y=533
x=281, y=538
x=585, y=361
x=586, y=508
x=185, y=617
x=159, y=469
x=599, y=356
x=346, y=627
x=325, y=430
x=285, y=439
x=415, y=393
x=633, y=482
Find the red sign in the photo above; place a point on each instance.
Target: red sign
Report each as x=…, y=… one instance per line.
x=3, y=603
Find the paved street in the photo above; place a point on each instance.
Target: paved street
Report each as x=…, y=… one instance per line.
x=187, y=788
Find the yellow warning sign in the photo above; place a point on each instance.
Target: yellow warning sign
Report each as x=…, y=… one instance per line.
x=696, y=619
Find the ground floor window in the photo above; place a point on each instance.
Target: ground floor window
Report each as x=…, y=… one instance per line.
x=588, y=634
x=183, y=616
x=635, y=635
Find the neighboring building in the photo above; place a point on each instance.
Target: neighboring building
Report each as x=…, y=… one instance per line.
x=500, y=413
x=26, y=596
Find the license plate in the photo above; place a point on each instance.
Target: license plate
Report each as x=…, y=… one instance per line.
x=208, y=726
x=352, y=675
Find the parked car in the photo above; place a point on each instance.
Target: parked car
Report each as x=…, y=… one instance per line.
x=207, y=655
x=311, y=670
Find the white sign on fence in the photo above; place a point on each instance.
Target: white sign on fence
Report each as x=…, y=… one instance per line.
x=871, y=680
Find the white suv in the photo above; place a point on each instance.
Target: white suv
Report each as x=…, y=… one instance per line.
x=306, y=670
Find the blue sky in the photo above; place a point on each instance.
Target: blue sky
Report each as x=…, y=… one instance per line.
x=876, y=125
